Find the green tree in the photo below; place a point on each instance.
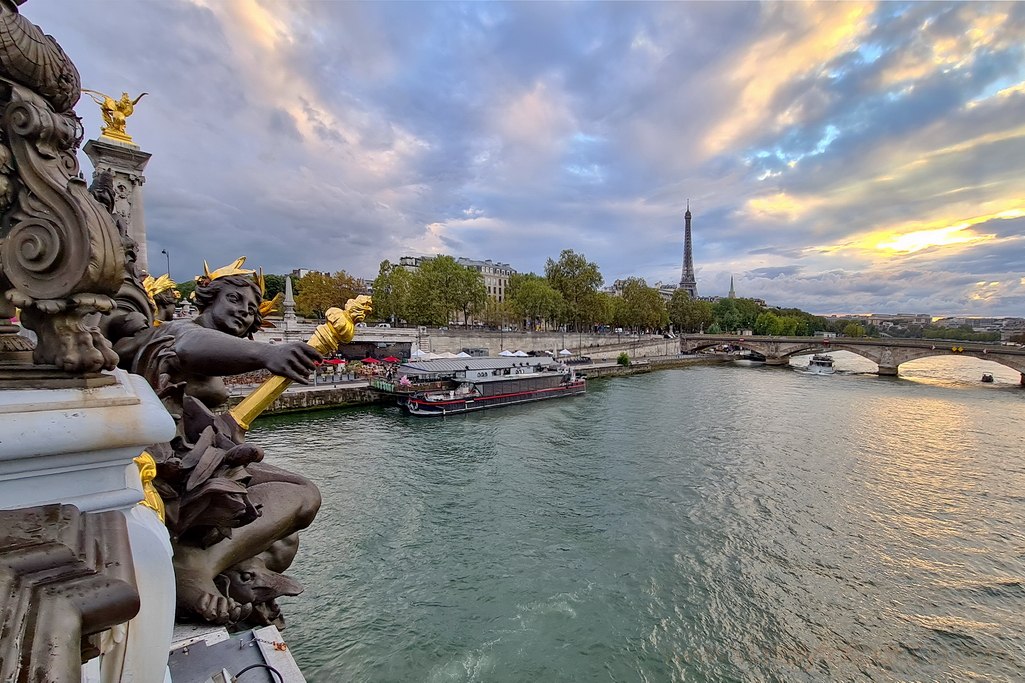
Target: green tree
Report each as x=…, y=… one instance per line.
x=392, y=288
x=689, y=314
x=497, y=313
x=576, y=279
x=853, y=330
x=643, y=305
x=471, y=293
x=319, y=292
x=275, y=284
x=603, y=308
x=533, y=298
x=440, y=287
x=186, y=289
x=768, y=323
x=735, y=314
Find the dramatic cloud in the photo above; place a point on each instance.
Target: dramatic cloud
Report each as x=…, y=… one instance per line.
x=838, y=157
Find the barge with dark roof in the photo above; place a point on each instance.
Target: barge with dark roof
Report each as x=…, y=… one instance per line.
x=482, y=383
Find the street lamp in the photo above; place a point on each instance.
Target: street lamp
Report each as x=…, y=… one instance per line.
x=165, y=253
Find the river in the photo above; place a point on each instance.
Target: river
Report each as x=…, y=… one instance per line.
x=711, y=523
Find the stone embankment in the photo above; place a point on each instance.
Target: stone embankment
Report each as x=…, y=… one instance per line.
x=323, y=397
x=596, y=346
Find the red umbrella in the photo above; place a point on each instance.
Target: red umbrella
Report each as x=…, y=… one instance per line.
x=390, y=359
x=334, y=361
x=371, y=360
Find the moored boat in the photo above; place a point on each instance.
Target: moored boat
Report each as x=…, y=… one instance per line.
x=481, y=383
x=821, y=364
x=987, y=377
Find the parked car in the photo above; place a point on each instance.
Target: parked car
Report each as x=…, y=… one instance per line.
x=386, y=326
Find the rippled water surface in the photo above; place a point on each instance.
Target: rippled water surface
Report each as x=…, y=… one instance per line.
x=708, y=523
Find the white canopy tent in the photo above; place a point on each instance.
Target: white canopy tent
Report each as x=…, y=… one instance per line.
x=507, y=352
x=521, y=354
x=463, y=354
x=565, y=352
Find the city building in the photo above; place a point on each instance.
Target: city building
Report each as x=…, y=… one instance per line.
x=496, y=275
x=300, y=273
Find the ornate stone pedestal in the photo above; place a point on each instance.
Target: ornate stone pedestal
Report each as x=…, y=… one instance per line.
x=74, y=446
x=127, y=162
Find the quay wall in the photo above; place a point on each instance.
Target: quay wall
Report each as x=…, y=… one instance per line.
x=320, y=398
x=594, y=345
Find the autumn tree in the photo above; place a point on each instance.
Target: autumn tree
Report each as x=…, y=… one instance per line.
x=319, y=292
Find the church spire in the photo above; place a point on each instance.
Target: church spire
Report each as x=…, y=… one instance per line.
x=733, y=293
x=688, y=283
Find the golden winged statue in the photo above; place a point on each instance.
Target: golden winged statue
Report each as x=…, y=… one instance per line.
x=115, y=112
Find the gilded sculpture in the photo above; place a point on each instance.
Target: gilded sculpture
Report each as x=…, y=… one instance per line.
x=233, y=519
x=115, y=113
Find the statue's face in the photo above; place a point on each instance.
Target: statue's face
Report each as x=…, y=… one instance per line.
x=234, y=310
x=165, y=311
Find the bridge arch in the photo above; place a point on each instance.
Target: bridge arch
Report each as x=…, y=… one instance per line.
x=887, y=354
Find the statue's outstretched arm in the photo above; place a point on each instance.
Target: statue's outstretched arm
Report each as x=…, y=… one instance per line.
x=203, y=351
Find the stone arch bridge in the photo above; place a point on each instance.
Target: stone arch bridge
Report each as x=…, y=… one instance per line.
x=888, y=354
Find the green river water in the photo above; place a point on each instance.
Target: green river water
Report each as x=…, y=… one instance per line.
x=712, y=523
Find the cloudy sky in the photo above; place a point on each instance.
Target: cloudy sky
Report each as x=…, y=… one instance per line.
x=838, y=157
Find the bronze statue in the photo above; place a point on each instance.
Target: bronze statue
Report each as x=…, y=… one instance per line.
x=233, y=519
x=162, y=297
x=115, y=113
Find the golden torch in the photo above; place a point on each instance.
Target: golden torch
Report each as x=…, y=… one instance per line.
x=339, y=329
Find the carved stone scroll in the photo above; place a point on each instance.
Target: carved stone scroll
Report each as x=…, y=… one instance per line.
x=60, y=252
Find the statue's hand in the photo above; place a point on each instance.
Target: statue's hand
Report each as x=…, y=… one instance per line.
x=294, y=360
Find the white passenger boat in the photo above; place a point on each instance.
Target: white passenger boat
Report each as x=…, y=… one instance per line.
x=821, y=364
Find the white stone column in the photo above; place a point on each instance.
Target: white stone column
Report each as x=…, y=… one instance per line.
x=75, y=445
x=127, y=162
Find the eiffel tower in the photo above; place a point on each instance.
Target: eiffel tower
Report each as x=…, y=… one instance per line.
x=688, y=283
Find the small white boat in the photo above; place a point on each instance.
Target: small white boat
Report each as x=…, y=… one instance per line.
x=821, y=364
